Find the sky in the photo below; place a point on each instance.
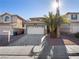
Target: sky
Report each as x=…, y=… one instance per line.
x=36, y=8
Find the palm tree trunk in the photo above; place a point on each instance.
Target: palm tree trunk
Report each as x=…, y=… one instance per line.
x=58, y=32
x=48, y=31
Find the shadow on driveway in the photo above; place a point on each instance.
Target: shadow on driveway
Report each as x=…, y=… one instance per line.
x=53, y=50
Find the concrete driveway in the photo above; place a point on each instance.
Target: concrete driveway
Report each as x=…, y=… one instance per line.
x=3, y=40
x=27, y=40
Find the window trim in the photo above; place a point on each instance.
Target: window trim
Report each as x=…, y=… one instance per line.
x=74, y=16
x=8, y=20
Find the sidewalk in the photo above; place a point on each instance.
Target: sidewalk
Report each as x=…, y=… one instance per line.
x=24, y=52
x=15, y=50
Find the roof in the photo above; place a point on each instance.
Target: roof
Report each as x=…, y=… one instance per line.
x=72, y=13
x=35, y=22
x=14, y=15
x=36, y=18
x=5, y=14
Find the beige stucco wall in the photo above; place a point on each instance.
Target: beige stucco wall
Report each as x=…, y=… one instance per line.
x=18, y=23
x=14, y=19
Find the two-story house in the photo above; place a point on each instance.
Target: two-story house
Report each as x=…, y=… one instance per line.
x=36, y=26
x=13, y=24
x=73, y=27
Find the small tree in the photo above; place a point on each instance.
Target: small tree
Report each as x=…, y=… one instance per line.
x=53, y=24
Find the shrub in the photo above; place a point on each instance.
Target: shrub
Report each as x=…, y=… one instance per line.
x=77, y=35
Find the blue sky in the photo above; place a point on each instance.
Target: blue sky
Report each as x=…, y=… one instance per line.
x=36, y=8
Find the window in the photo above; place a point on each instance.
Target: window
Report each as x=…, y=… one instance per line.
x=22, y=25
x=74, y=16
x=6, y=18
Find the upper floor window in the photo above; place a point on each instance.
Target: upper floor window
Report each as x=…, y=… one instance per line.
x=74, y=16
x=7, y=18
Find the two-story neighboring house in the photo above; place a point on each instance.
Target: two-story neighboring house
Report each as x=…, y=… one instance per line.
x=11, y=23
x=73, y=27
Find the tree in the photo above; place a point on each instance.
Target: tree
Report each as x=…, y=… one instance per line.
x=53, y=23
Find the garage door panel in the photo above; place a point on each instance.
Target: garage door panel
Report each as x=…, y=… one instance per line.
x=35, y=30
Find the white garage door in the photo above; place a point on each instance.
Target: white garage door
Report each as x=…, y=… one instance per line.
x=35, y=30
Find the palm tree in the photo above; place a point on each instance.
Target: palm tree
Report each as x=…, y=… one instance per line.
x=50, y=22
x=53, y=24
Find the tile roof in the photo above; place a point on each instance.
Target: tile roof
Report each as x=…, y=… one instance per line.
x=37, y=22
x=72, y=13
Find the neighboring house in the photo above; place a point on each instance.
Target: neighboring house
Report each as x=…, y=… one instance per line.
x=36, y=26
x=13, y=24
x=73, y=27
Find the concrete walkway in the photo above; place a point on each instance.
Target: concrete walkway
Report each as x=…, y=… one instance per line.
x=15, y=50
x=16, y=57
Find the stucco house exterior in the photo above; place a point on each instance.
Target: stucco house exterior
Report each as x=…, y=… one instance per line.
x=11, y=23
x=36, y=26
x=73, y=26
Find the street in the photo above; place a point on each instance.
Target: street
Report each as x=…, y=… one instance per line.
x=30, y=47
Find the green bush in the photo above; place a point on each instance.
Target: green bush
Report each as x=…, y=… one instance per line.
x=77, y=35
